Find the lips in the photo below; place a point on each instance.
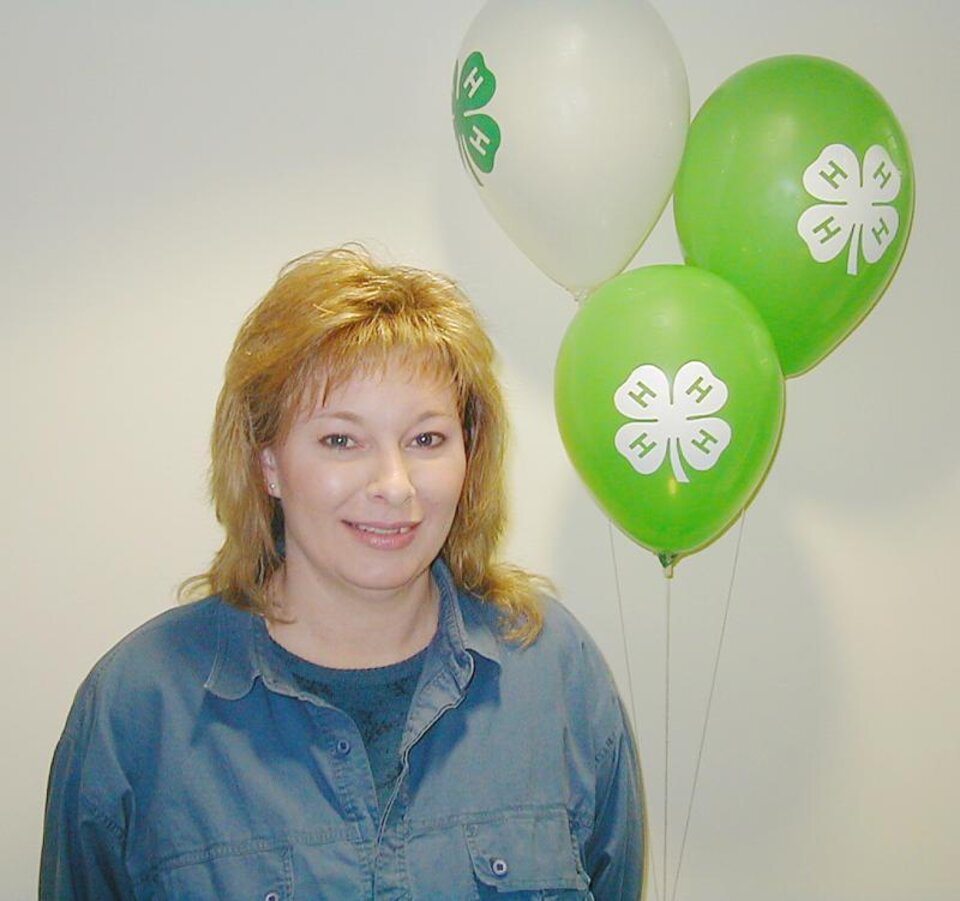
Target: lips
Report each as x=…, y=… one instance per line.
x=384, y=536
x=400, y=528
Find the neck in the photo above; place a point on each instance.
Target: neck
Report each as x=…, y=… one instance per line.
x=340, y=627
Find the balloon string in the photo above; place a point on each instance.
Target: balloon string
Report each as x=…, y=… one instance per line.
x=666, y=746
x=706, y=717
x=626, y=657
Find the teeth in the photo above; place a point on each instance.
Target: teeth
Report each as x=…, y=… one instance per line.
x=402, y=530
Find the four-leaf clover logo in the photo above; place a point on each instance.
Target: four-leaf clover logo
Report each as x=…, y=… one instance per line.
x=478, y=135
x=675, y=420
x=856, y=210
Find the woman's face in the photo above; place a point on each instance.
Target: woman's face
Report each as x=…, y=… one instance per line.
x=369, y=481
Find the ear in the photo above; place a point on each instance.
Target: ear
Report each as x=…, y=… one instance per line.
x=271, y=473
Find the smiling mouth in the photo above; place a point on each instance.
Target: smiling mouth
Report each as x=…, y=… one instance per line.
x=382, y=530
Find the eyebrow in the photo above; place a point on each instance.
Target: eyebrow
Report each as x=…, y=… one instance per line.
x=357, y=419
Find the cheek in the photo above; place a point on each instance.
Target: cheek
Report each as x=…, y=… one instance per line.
x=323, y=487
x=448, y=483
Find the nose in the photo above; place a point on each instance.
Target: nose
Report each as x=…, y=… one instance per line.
x=391, y=479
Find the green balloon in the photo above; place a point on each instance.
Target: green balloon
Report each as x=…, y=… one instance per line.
x=669, y=398
x=796, y=186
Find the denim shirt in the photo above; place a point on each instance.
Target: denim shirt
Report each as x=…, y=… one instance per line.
x=192, y=767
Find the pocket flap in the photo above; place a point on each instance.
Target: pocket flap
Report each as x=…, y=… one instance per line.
x=525, y=851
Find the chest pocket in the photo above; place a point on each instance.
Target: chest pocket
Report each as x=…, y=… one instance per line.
x=257, y=874
x=526, y=855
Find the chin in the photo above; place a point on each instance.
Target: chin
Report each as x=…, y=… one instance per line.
x=386, y=576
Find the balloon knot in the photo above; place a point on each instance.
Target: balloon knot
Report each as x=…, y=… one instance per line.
x=667, y=561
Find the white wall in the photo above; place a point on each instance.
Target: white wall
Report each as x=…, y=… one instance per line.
x=161, y=161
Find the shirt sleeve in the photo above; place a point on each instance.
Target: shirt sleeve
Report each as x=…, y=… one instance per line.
x=614, y=853
x=82, y=856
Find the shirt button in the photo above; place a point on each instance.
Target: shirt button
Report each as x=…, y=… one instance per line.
x=271, y=896
x=343, y=747
x=499, y=866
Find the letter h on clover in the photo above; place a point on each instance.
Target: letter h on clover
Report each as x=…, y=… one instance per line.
x=478, y=134
x=672, y=420
x=856, y=211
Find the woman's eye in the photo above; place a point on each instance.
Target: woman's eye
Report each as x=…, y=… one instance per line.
x=337, y=442
x=428, y=439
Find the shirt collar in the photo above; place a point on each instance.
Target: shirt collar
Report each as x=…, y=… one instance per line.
x=465, y=624
x=235, y=666
x=462, y=620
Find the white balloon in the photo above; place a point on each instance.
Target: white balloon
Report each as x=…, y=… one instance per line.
x=591, y=108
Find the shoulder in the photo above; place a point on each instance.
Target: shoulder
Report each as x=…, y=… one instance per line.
x=564, y=631
x=173, y=652
x=145, y=693
x=563, y=638
x=563, y=665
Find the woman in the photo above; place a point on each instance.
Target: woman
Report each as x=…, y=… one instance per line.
x=365, y=704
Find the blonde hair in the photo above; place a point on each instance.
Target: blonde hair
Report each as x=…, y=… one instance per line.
x=328, y=315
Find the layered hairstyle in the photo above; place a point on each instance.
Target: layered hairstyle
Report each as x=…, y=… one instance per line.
x=330, y=315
